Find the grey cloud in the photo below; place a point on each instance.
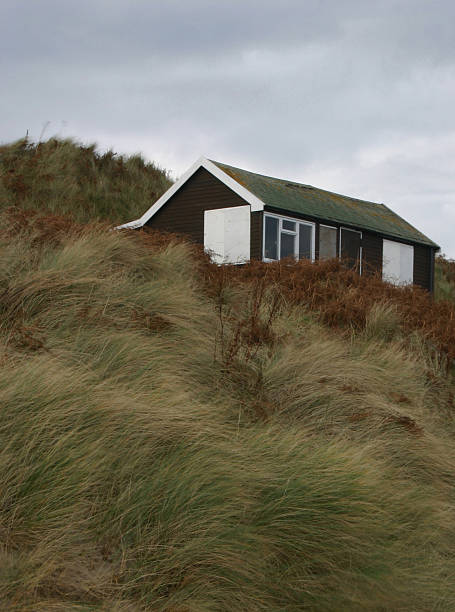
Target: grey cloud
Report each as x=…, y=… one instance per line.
x=116, y=30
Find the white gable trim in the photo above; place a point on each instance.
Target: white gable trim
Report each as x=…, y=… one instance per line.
x=255, y=203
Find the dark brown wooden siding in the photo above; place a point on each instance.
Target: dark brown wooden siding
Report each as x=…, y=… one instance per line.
x=371, y=253
x=423, y=266
x=183, y=213
x=256, y=235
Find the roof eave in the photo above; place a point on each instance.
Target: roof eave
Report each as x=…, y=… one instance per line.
x=391, y=235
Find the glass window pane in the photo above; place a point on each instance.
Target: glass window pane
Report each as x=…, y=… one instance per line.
x=350, y=248
x=271, y=238
x=287, y=245
x=288, y=225
x=305, y=241
x=327, y=242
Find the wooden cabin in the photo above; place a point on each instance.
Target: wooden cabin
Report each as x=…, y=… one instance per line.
x=240, y=215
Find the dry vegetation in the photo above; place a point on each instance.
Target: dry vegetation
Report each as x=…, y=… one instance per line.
x=344, y=300
x=180, y=437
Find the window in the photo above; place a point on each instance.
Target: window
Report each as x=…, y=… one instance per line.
x=288, y=225
x=305, y=241
x=284, y=237
x=350, y=248
x=287, y=245
x=327, y=242
x=271, y=238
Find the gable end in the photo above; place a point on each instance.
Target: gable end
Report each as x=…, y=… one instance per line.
x=255, y=203
x=184, y=211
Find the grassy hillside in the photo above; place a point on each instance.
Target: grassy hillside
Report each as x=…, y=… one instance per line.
x=174, y=440
x=181, y=437
x=64, y=177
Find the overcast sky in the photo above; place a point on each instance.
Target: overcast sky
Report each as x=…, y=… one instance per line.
x=355, y=96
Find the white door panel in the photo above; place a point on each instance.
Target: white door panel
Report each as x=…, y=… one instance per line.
x=227, y=234
x=398, y=263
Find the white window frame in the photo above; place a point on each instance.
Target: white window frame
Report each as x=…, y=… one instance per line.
x=349, y=229
x=298, y=222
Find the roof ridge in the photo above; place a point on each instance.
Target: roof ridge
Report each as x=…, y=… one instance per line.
x=275, y=178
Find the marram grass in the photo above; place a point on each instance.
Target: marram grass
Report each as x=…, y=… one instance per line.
x=162, y=449
x=64, y=177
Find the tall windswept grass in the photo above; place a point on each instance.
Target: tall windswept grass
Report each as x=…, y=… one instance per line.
x=172, y=439
x=64, y=177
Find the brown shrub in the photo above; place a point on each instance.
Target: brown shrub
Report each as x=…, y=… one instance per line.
x=343, y=299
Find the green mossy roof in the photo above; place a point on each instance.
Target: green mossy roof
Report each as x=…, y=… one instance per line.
x=307, y=200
